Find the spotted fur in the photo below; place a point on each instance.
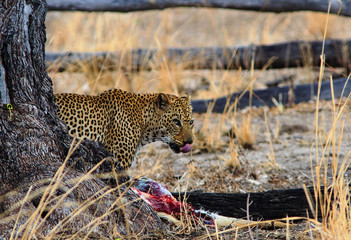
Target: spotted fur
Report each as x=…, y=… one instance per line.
x=124, y=122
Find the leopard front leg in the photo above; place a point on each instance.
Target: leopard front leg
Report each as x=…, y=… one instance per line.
x=123, y=143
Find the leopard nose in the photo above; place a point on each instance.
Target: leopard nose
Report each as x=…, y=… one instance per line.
x=189, y=140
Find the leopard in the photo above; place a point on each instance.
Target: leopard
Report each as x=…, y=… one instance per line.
x=124, y=122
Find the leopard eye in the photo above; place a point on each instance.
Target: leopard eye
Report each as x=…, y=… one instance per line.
x=191, y=122
x=177, y=122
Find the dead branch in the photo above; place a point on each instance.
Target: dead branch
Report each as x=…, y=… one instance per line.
x=276, y=6
x=283, y=55
x=341, y=86
x=267, y=205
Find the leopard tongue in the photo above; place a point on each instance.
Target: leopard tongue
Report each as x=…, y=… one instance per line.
x=186, y=148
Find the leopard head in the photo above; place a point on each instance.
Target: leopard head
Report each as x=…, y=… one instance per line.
x=176, y=120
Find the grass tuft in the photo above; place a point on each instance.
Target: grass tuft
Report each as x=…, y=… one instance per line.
x=245, y=133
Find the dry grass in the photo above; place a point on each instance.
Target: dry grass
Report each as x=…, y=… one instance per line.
x=331, y=188
x=173, y=28
x=233, y=161
x=246, y=132
x=32, y=223
x=271, y=156
x=205, y=27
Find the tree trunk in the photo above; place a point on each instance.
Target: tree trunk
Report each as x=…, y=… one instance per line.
x=34, y=144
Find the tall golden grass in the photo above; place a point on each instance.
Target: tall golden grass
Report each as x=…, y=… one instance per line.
x=87, y=32
x=205, y=27
x=331, y=188
x=29, y=223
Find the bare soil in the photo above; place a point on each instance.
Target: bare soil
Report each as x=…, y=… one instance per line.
x=294, y=149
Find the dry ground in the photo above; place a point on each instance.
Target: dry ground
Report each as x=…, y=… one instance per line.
x=284, y=164
x=283, y=152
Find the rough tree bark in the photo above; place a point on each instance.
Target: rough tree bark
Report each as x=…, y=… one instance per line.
x=34, y=143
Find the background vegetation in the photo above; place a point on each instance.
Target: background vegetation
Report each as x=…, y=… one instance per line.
x=218, y=161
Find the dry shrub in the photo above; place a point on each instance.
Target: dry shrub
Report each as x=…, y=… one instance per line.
x=245, y=132
x=233, y=161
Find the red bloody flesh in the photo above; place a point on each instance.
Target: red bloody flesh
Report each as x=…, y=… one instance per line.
x=158, y=196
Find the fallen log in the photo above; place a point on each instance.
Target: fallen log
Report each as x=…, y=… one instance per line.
x=283, y=55
x=276, y=6
x=267, y=205
x=265, y=97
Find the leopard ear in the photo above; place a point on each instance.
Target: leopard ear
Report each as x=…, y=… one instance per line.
x=163, y=101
